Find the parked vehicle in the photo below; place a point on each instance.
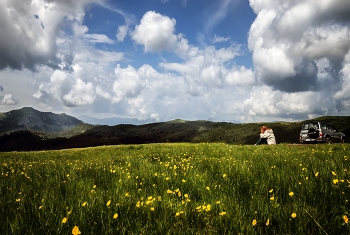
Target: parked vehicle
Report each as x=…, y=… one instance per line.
x=319, y=132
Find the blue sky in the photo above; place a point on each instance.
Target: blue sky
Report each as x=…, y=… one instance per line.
x=199, y=25
x=222, y=60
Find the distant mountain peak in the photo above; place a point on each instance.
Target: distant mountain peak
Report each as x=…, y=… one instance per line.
x=28, y=118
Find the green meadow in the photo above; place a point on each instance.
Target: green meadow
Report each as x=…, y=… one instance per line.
x=204, y=188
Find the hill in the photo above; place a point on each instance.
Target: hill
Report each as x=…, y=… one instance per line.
x=30, y=119
x=86, y=135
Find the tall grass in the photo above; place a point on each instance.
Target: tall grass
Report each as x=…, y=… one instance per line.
x=177, y=189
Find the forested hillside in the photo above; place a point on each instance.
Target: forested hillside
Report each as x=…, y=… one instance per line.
x=163, y=132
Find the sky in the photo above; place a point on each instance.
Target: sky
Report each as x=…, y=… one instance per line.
x=220, y=60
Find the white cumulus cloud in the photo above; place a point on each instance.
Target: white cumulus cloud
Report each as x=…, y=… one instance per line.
x=29, y=30
x=8, y=100
x=128, y=83
x=155, y=32
x=81, y=94
x=288, y=39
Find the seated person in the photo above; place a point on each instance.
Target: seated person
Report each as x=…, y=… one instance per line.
x=266, y=136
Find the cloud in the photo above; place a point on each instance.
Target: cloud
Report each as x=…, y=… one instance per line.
x=217, y=39
x=241, y=76
x=99, y=58
x=122, y=32
x=29, y=31
x=104, y=94
x=127, y=85
x=265, y=102
x=98, y=38
x=291, y=42
x=300, y=53
x=342, y=96
x=183, y=2
x=217, y=14
x=155, y=32
x=205, y=69
x=67, y=88
x=8, y=100
x=81, y=94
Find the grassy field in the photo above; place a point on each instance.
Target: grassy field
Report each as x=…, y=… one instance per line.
x=177, y=189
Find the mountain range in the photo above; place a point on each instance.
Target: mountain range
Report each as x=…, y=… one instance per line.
x=29, y=129
x=114, y=120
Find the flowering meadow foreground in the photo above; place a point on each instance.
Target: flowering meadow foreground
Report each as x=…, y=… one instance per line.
x=177, y=189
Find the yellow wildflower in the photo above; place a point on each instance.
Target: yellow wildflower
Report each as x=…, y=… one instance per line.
x=75, y=230
x=148, y=202
x=224, y=175
x=169, y=191
x=268, y=222
x=183, y=181
x=208, y=208
x=108, y=203
x=115, y=216
x=294, y=215
x=272, y=198
x=207, y=188
x=152, y=208
x=335, y=181
x=18, y=200
x=346, y=219
x=254, y=222
x=84, y=204
x=222, y=213
x=138, y=204
x=186, y=195
x=218, y=202
x=291, y=194
x=316, y=174
x=333, y=173
x=40, y=207
x=64, y=220
x=271, y=191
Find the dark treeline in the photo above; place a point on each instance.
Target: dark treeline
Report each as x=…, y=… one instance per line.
x=164, y=132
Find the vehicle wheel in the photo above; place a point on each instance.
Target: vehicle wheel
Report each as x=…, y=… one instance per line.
x=328, y=140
